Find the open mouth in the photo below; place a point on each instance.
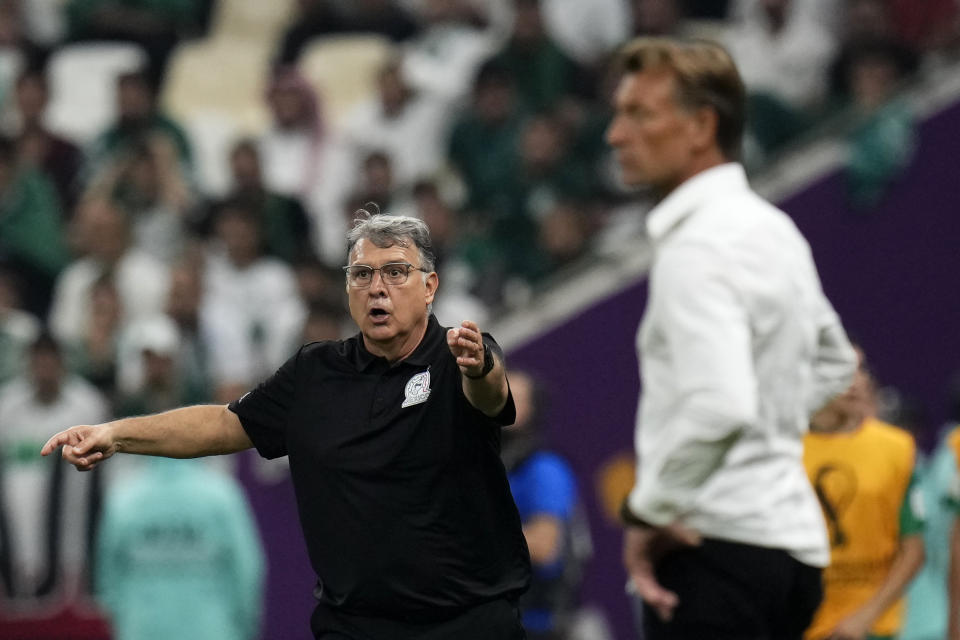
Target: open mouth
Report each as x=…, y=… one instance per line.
x=379, y=314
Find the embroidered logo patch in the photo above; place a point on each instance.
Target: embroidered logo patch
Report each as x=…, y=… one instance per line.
x=417, y=389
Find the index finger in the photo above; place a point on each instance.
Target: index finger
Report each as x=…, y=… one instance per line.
x=64, y=437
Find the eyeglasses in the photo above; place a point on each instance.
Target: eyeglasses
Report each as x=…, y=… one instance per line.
x=393, y=273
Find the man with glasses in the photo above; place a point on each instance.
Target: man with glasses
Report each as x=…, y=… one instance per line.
x=393, y=437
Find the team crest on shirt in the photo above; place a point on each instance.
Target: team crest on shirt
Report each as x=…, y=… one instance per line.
x=417, y=389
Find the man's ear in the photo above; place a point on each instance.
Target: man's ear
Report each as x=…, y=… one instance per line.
x=703, y=123
x=431, y=283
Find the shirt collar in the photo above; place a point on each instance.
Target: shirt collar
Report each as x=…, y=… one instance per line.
x=421, y=356
x=691, y=195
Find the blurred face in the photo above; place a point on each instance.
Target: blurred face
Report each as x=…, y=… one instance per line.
x=184, y=297
x=240, y=237
x=494, y=101
x=105, y=307
x=245, y=165
x=134, y=100
x=392, y=318
x=527, y=25
x=288, y=108
x=378, y=175
x=31, y=98
x=541, y=145
x=392, y=90
x=102, y=231
x=654, y=137
x=158, y=368
x=143, y=176
x=873, y=81
x=655, y=17
x=46, y=370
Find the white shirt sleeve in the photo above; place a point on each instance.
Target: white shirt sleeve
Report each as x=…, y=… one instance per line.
x=834, y=362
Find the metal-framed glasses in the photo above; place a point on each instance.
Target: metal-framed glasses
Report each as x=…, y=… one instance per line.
x=393, y=273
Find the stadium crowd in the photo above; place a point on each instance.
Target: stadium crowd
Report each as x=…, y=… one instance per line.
x=130, y=254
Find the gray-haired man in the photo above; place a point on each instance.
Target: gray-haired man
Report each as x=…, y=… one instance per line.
x=393, y=439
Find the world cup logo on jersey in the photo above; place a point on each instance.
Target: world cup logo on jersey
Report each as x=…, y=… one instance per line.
x=417, y=389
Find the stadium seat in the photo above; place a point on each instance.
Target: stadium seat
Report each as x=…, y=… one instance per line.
x=251, y=19
x=212, y=134
x=344, y=69
x=82, y=85
x=219, y=76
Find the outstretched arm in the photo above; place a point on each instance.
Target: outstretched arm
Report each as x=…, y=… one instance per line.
x=488, y=393
x=189, y=432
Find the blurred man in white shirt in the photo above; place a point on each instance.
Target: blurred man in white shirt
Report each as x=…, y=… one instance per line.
x=738, y=345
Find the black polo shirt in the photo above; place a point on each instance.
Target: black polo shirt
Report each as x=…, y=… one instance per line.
x=403, y=500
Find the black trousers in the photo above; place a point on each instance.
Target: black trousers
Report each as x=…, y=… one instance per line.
x=731, y=591
x=496, y=620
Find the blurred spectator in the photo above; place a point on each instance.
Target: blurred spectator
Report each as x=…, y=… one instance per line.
x=94, y=355
x=318, y=283
x=928, y=602
x=657, y=18
x=18, y=328
x=455, y=38
x=184, y=305
x=545, y=490
x=483, y=146
x=39, y=147
x=587, y=31
x=564, y=235
x=445, y=229
x=31, y=236
x=15, y=33
x=286, y=228
x=146, y=181
x=541, y=72
x=179, y=556
x=884, y=135
x=156, y=25
x=452, y=247
x=376, y=183
x=250, y=340
x=138, y=118
x=325, y=17
x=783, y=55
x=397, y=120
x=301, y=159
x=155, y=344
x=324, y=322
x=863, y=471
x=103, y=237
x=47, y=520
x=782, y=52
x=547, y=173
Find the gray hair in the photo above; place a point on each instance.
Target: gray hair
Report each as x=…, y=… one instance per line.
x=385, y=230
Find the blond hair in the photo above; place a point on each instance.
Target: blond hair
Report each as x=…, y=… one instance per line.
x=706, y=76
